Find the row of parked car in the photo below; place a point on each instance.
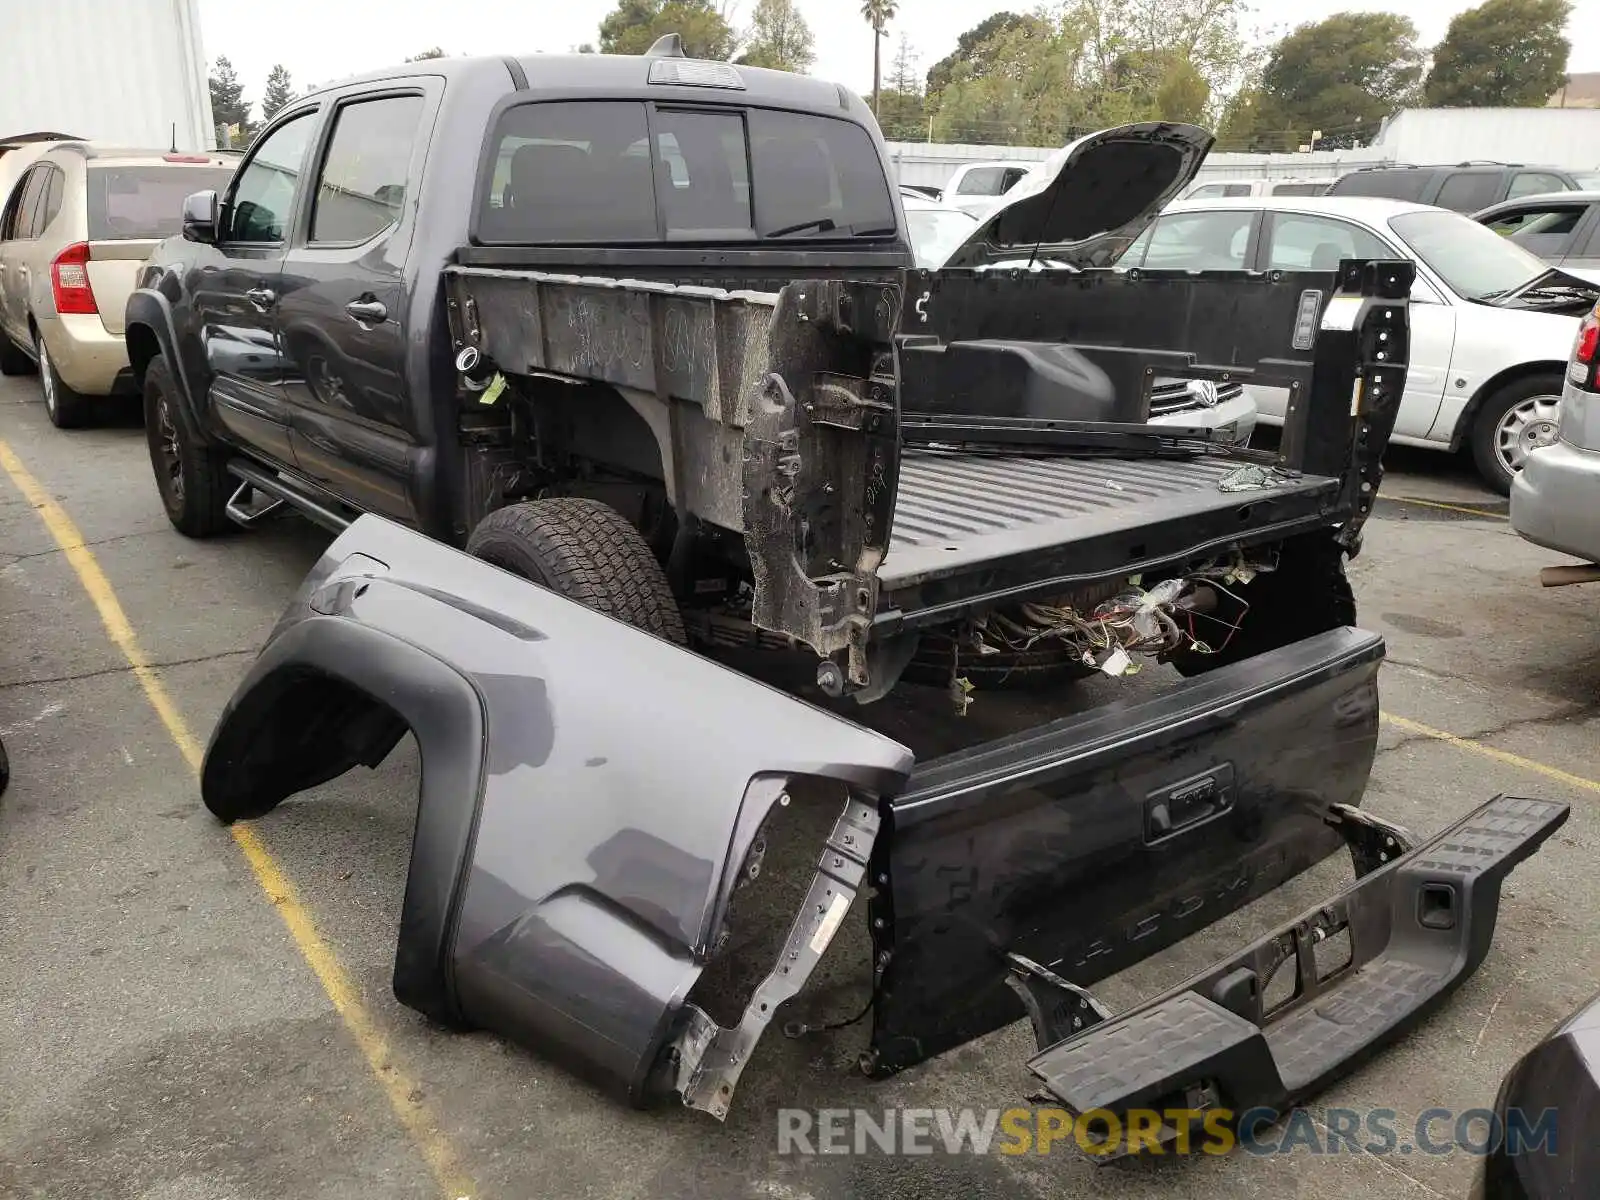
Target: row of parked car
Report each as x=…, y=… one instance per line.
x=1495, y=307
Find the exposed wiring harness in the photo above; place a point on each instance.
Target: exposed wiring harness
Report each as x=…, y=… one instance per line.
x=1172, y=614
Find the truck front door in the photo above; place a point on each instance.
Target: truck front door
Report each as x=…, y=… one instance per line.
x=342, y=314
x=236, y=291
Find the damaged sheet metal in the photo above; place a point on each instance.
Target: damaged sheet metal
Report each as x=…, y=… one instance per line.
x=590, y=796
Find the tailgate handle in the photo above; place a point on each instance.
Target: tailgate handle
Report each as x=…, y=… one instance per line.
x=1181, y=806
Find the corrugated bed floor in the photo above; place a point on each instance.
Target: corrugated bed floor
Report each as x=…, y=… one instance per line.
x=971, y=507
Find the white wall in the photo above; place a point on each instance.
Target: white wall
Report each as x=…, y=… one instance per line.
x=1557, y=137
x=117, y=71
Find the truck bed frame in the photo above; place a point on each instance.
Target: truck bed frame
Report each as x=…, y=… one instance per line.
x=777, y=416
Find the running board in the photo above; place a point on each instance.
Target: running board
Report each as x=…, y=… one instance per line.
x=1418, y=926
x=240, y=512
x=280, y=492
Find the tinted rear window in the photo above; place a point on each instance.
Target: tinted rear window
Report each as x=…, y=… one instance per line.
x=1468, y=191
x=589, y=172
x=130, y=203
x=1397, y=185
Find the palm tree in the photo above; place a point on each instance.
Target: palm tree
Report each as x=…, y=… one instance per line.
x=878, y=13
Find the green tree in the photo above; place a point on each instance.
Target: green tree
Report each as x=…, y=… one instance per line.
x=972, y=51
x=1138, y=51
x=1026, y=94
x=431, y=52
x=1341, y=76
x=901, y=112
x=1510, y=53
x=779, y=38
x=1184, y=92
x=1051, y=76
x=878, y=14
x=279, y=92
x=229, y=107
x=634, y=25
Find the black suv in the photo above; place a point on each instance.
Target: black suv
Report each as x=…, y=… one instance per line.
x=1465, y=187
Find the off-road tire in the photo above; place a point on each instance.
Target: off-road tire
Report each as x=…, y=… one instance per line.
x=190, y=475
x=1486, y=423
x=13, y=359
x=584, y=550
x=66, y=408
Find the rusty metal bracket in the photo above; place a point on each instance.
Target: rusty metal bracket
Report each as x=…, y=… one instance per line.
x=1372, y=841
x=1057, y=1009
x=821, y=459
x=711, y=1058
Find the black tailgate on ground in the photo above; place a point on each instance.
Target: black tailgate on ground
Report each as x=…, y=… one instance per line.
x=1092, y=842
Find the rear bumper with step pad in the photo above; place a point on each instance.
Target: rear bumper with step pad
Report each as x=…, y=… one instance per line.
x=1418, y=926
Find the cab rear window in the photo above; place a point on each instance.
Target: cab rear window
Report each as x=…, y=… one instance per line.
x=585, y=172
x=135, y=203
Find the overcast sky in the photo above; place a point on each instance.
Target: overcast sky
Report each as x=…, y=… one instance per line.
x=323, y=40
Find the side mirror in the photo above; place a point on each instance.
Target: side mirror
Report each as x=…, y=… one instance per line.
x=200, y=213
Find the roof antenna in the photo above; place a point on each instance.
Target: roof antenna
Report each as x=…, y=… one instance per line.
x=668, y=45
x=174, y=137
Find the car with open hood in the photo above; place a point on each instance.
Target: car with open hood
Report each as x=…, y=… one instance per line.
x=602, y=367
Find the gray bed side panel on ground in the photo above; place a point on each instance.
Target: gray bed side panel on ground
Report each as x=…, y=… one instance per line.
x=615, y=774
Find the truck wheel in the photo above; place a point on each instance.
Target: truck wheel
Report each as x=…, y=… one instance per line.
x=584, y=550
x=12, y=360
x=189, y=474
x=1516, y=420
x=66, y=408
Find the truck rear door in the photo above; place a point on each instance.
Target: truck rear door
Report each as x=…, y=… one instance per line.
x=342, y=312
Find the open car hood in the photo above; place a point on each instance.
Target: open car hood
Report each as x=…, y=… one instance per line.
x=1090, y=198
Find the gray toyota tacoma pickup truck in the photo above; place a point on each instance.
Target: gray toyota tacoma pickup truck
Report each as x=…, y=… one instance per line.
x=602, y=365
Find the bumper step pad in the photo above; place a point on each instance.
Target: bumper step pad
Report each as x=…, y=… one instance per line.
x=1418, y=926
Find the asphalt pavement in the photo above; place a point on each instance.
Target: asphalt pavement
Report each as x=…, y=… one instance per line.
x=187, y=1013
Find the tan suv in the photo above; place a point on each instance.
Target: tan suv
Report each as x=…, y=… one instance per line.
x=73, y=232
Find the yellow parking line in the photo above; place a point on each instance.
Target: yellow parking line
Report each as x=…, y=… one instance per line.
x=401, y=1089
x=1460, y=508
x=1500, y=756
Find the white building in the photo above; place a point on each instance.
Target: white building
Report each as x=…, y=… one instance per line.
x=126, y=72
x=1557, y=137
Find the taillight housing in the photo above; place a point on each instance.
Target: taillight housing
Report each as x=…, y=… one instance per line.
x=69, y=280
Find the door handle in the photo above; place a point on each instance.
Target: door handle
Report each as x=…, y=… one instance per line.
x=262, y=298
x=367, y=311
